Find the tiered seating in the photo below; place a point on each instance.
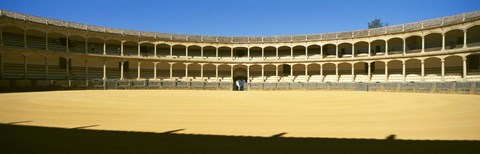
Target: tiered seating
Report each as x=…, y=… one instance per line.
x=55, y=45
x=300, y=78
x=345, y=78
x=36, y=42
x=36, y=71
x=315, y=78
x=395, y=78
x=55, y=72
x=271, y=79
x=14, y=40
x=226, y=79
x=77, y=46
x=257, y=79
x=130, y=51
x=330, y=78
x=95, y=73
x=413, y=78
x=13, y=71
x=286, y=79
x=378, y=78
x=453, y=77
x=473, y=77
x=361, y=78
x=433, y=78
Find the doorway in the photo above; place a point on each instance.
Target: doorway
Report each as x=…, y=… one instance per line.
x=239, y=74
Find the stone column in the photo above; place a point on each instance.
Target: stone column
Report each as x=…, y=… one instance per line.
x=248, y=53
x=423, y=70
x=216, y=71
x=276, y=52
x=171, y=69
x=443, y=41
x=155, y=70
x=306, y=52
x=201, y=70
x=336, y=50
x=104, y=70
x=105, y=47
x=263, y=72
x=201, y=52
x=369, y=72
x=139, y=68
x=248, y=73
x=353, y=72
x=291, y=70
x=423, y=44
x=121, y=48
x=369, y=49
x=353, y=50
x=138, y=50
x=321, y=70
x=291, y=53
x=186, y=52
x=121, y=69
x=404, y=46
x=155, y=50
x=386, y=47
x=25, y=39
x=386, y=71
x=231, y=71
x=263, y=53
x=403, y=72
x=321, y=52
x=464, y=68
x=336, y=72
x=276, y=71
x=86, y=70
x=231, y=53
x=171, y=51
x=186, y=70
x=67, y=45
x=216, y=52
x=464, y=38
x=443, y=70
x=306, y=72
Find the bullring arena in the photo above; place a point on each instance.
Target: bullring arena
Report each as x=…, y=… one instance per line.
x=414, y=81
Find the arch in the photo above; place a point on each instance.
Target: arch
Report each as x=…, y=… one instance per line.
x=413, y=44
x=239, y=52
x=224, y=52
x=95, y=45
x=413, y=70
x=453, y=68
x=130, y=48
x=36, y=39
x=269, y=71
x=433, y=42
x=163, y=50
x=13, y=36
x=454, y=39
x=313, y=69
x=194, y=51
x=313, y=50
x=178, y=71
x=194, y=72
x=256, y=52
x=395, y=46
x=57, y=42
x=255, y=72
x=329, y=50
x=361, y=49
x=433, y=66
x=147, y=49
x=345, y=50
x=298, y=69
x=377, y=47
x=76, y=43
x=36, y=67
x=163, y=71
x=270, y=52
x=299, y=51
x=179, y=50
x=209, y=72
x=284, y=52
x=113, y=47
x=78, y=68
x=209, y=52
x=473, y=36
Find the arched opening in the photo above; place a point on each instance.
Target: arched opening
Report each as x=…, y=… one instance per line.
x=163, y=71
x=377, y=47
x=36, y=39
x=76, y=43
x=35, y=67
x=209, y=72
x=113, y=69
x=147, y=49
x=146, y=70
x=240, y=52
x=224, y=52
x=163, y=50
x=256, y=52
x=454, y=39
x=361, y=71
x=329, y=72
x=113, y=47
x=395, y=71
x=178, y=51
x=78, y=68
x=473, y=36
x=453, y=68
x=433, y=42
x=57, y=42
x=194, y=51
x=345, y=72
x=314, y=73
x=413, y=44
x=239, y=77
x=395, y=46
x=95, y=67
x=413, y=70
x=314, y=51
x=329, y=51
x=299, y=73
x=433, y=69
x=178, y=71
x=473, y=65
x=95, y=46
x=12, y=36
x=270, y=52
x=284, y=52
x=194, y=72
x=130, y=48
x=255, y=73
x=361, y=49
x=224, y=73
x=209, y=52
x=299, y=52
x=270, y=73
x=378, y=71
x=345, y=50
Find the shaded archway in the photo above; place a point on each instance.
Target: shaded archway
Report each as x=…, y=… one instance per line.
x=413, y=44
x=473, y=36
x=433, y=42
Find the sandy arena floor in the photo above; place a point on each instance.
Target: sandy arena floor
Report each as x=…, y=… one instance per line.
x=253, y=113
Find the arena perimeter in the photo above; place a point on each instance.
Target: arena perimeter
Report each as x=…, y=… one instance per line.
x=328, y=114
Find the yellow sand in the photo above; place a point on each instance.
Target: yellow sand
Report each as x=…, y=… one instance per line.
x=253, y=113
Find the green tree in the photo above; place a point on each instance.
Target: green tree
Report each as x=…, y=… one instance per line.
x=377, y=23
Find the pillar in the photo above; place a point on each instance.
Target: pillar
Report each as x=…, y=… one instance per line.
x=291, y=53
x=171, y=70
x=121, y=70
x=464, y=68
x=321, y=52
x=369, y=49
x=216, y=72
x=465, y=38
x=155, y=70
x=263, y=72
x=231, y=53
x=404, y=46
x=321, y=70
x=201, y=52
x=276, y=71
x=306, y=72
x=171, y=51
x=155, y=50
x=369, y=73
x=291, y=72
x=248, y=73
x=201, y=70
x=248, y=53
x=276, y=52
x=186, y=70
x=423, y=44
x=423, y=70
x=443, y=70
x=121, y=48
x=105, y=47
x=138, y=50
x=86, y=69
x=353, y=50
x=386, y=47
x=306, y=52
x=386, y=71
x=231, y=71
x=336, y=72
x=336, y=50
x=139, y=67
x=403, y=71
x=68, y=42
x=443, y=41
x=104, y=70
x=216, y=52
x=263, y=53
x=353, y=72
x=186, y=51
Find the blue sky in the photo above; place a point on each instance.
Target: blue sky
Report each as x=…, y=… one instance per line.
x=240, y=17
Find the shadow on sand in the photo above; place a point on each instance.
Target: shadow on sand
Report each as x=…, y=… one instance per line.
x=33, y=139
